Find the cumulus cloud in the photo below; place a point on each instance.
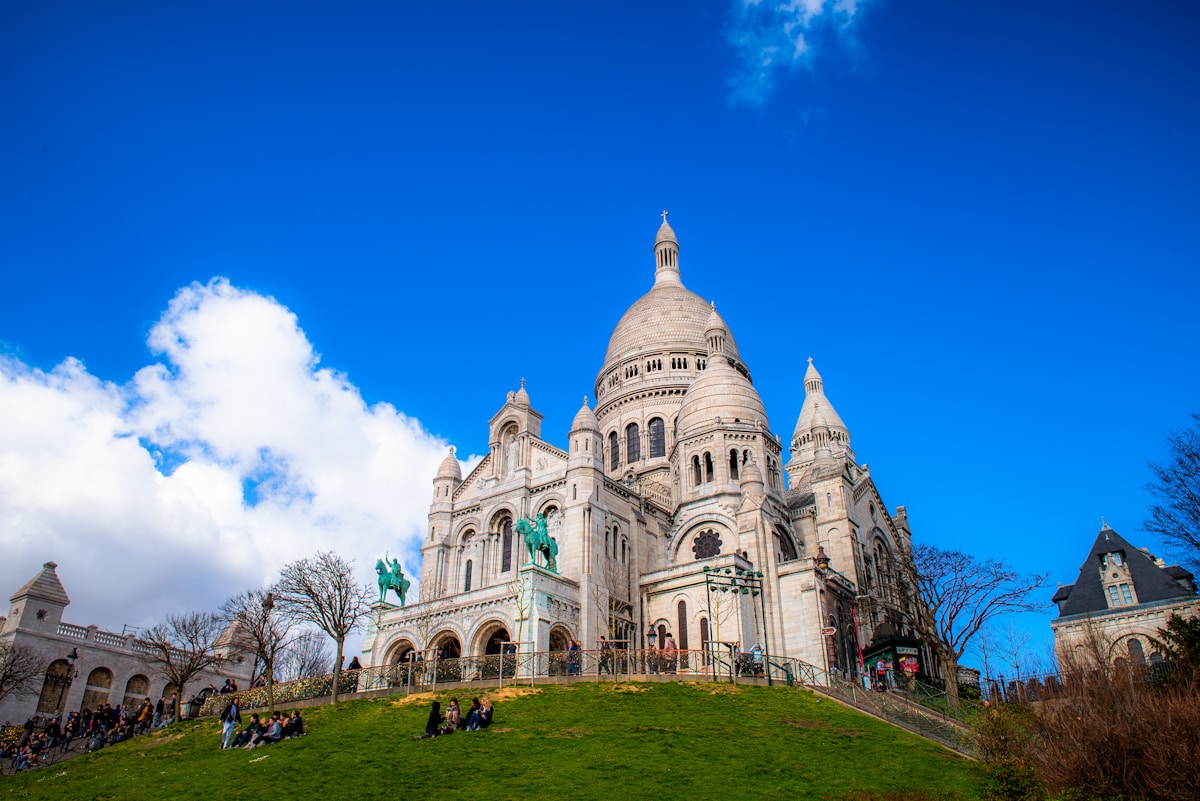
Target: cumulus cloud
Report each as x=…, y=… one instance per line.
x=772, y=39
x=232, y=454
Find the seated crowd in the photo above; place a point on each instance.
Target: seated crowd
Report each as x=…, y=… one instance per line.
x=105, y=725
x=479, y=716
x=277, y=727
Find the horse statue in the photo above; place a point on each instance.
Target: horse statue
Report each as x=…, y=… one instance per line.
x=537, y=539
x=391, y=577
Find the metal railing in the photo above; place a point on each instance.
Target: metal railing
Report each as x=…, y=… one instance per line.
x=922, y=712
x=531, y=667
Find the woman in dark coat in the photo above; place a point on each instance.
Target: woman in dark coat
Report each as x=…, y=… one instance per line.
x=435, y=720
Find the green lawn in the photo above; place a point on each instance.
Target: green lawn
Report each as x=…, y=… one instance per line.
x=566, y=743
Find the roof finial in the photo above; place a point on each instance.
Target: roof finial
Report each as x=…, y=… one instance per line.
x=1103, y=524
x=664, y=215
x=522, y=382
x=810, y=359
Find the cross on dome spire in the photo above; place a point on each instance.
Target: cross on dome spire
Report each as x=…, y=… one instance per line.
x=664, y=215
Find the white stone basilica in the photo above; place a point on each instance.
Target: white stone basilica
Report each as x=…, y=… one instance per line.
x=675, y=470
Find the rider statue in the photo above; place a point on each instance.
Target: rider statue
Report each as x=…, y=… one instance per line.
x=391, y=577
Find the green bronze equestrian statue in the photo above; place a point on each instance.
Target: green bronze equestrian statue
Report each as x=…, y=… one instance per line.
x=391, y=577
x=537, y=539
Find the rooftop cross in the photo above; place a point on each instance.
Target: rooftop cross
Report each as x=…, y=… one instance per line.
x=664, y=215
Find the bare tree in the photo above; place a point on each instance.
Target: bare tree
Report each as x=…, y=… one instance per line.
x=955, y=595
x=262, y=628
x=611, y=599
x=322, y=591
x=522, y=590
x=305, y=656
x=20, y=670
x=1175, y=513
x=183, y=646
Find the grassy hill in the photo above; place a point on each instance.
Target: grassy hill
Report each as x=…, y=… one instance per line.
x=573, y=742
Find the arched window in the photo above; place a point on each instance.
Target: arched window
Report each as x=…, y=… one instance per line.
x=704, y=637
x=708, y=467
x=506, y=529
x=633, y=444
x=467, y=576
x=54, y=687
x=99, y=682
x=733, y=464
x=682, y=625
x=697, y=479
x=614, y=451
x=607, y=534
x=662, y=635
x=622, y=551
x=1137, y=656
x=136, y=689
x=658, y=438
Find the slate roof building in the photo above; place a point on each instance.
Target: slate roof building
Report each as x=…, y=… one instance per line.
x=673, y=473
x=1121, y=600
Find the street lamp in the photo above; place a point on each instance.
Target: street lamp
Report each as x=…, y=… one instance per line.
x=738, y=581
x=64, y=682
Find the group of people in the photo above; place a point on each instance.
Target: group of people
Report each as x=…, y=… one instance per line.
x=257, y=732
x=105, y=725
x=479, y=716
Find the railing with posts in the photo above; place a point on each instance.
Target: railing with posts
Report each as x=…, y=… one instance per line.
x=614, y=664
x=910, y=710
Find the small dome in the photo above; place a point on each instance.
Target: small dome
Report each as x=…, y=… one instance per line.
x=522, y=397
x=585, y=419
x=665, y=234
x=720, y=391
x=449, y=468
x=751, y=475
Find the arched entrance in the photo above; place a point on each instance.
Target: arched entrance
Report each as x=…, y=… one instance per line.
x=490, y=643
x=446, y=646
x=136, y=689
x=560, y=641
x=54, y=687
x=99, y=682
x=399, y=652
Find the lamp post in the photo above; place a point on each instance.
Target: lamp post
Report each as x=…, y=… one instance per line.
x=739, y=582
x=64, y=682
x=821, y=568
x=651, y=656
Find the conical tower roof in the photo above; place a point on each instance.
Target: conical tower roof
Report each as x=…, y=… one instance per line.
x=45, y=586
x=817, y=411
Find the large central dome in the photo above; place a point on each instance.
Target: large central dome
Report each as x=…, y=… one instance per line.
x=669, y=317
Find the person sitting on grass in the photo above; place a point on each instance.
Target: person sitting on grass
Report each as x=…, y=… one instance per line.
x=294, y=726
x=480, y=715
x=472, y=716
x=434, y=721
x=270, y=735
x=453, y=718
x=243, y=737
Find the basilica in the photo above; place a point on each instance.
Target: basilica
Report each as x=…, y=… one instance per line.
x=666, y=491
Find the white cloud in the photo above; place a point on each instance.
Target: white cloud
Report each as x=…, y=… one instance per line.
x=207, y=471
x=771, y=39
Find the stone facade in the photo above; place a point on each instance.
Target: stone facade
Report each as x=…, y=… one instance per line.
x=1119, y=604
x=109, y=668
x=673, y=477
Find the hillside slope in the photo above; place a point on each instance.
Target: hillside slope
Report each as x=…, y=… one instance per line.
x=581, y=741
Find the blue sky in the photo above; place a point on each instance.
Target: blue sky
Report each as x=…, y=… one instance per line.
x=978, y=219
